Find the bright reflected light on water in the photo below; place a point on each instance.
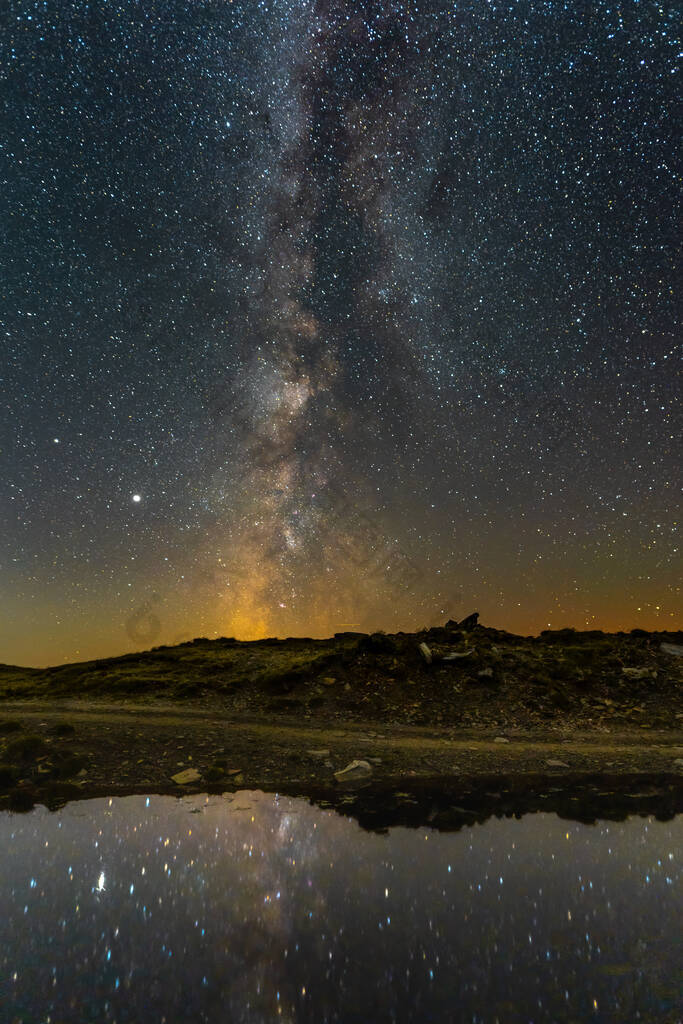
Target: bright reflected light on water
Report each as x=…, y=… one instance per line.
x=252, y=908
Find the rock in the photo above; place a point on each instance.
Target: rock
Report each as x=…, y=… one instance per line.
x=485, y=673
x=186, y=777
x=646, y=672
x=675, y=650
x=457, y=655
x=318, y=753
x=328, y=681
x=678, y=763
x=426, y=653
x=470, y=622
x=501, y=739
x=378, y=643
x=354, y=770
x=554, y=763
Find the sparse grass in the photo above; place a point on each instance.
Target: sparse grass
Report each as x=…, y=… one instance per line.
x=63, y=729
x=8, y=775
x=10, y=726
x=70, y=765
x=26, y=748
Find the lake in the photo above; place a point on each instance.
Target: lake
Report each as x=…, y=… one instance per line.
x=250, y=907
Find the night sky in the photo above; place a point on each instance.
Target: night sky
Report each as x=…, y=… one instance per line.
x=321, y=316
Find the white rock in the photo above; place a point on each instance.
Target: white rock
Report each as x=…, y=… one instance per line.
x=426, y=653
x=674, y=649
x=354, y=770
x=501, y=739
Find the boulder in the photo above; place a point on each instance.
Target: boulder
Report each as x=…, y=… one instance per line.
x=426, y=653
x=377, y=643
x=469, y=622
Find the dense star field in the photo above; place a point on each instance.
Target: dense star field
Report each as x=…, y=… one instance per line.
x=321, y=316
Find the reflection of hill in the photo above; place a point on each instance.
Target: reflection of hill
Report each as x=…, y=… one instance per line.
x=451, y=804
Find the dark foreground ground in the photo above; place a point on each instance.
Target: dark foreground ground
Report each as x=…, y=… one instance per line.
x=585, y=724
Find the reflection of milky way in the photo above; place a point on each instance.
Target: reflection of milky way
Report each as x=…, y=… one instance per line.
x=253, y=908
x=371, y=309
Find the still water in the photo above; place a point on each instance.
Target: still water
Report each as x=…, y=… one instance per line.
x=252, y=907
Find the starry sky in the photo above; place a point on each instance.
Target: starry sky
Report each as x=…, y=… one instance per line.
x=253, y=907
x=319, y=316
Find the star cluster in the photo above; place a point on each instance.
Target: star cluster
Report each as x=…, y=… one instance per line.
x=319, y=315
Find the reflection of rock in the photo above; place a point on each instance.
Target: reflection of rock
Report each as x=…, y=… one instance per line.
x=676, y=650
x=185, y=777
x=354, y=771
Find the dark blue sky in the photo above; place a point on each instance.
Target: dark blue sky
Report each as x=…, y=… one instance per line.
x=371, y=306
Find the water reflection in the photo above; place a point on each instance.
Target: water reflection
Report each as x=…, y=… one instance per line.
x=252, y=908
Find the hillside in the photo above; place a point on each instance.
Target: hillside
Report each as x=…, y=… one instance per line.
x=445, y=676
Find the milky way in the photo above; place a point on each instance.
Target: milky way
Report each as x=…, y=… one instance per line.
x=369, y=306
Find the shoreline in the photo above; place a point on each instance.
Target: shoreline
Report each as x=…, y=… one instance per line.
x=58, y=751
